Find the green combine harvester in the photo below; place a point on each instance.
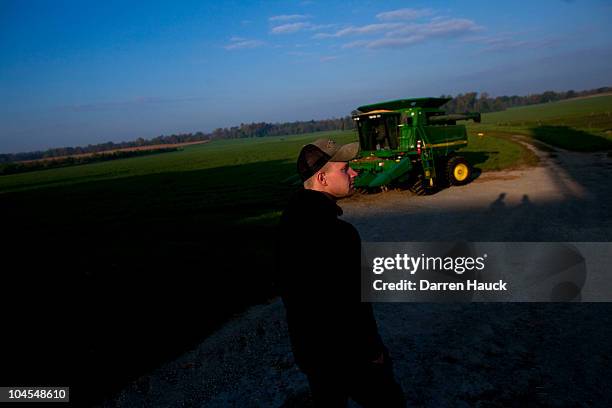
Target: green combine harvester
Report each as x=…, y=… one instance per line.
x=410, y=142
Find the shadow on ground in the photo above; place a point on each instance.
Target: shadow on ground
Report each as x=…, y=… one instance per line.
x=106, y=280
x=570, y=138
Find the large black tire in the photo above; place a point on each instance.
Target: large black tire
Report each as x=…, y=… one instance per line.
x=458, y=171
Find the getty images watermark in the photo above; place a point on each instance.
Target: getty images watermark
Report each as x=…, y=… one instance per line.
x=486, y=272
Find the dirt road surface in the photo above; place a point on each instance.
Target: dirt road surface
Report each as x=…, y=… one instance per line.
x=445, y=355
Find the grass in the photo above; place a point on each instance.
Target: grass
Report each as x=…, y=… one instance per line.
x=496, y=151
x=490, y=153
x=583, y=124
x=223, y=153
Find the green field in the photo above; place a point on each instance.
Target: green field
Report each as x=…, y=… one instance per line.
x=222, y=153
x=232, y=170
x=582, y=124
x=496, y=151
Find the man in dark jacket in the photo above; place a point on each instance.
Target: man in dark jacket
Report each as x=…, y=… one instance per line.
x=333, y=334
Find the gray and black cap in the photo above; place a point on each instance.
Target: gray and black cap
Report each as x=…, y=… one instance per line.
x=315, y=155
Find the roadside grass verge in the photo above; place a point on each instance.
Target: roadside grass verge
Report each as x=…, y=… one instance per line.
x=496, y=151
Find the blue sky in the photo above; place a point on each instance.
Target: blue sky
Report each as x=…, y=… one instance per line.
x=74, y=73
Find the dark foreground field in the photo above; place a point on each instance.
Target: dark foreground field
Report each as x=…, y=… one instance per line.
x=108, y=279
x=111, y=269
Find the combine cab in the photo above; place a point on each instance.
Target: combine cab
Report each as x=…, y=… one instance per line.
x=410, y=141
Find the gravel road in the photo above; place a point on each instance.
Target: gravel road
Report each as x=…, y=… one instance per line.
x=446, y=355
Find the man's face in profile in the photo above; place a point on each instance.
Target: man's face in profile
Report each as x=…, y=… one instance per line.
x=340, y=179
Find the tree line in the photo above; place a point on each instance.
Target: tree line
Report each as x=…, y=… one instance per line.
x=483, y=103
x=243, y=131
x=470, y=101
x=22, y=167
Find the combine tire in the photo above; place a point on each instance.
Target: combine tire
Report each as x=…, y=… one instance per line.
x=458, y=171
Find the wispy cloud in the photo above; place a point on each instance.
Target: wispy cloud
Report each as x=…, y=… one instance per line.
x=385, y=42
x=398, y=35
x=404, y=14
x=288, y=17
x=239, y=43
x=395, y=29
x=367, y=29
x=504, y=44
x=437, y=28
x=291, y=28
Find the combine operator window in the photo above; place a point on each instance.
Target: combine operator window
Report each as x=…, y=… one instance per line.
x=378, y=133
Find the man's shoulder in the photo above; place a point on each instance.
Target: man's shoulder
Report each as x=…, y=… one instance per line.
x=347, y=227
x=309, y=205
x=315, y=214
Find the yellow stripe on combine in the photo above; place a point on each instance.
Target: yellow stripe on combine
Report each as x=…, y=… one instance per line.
x=458, y=142
x=376, y=111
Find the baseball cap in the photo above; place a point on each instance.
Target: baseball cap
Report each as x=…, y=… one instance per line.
x=315, y=155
